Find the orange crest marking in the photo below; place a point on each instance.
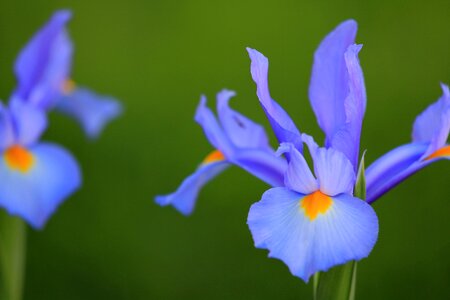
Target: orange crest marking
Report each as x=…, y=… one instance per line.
x=68, y=86
x=214, y=156
x=316, y=203
x=19, y=158
x=444, y=151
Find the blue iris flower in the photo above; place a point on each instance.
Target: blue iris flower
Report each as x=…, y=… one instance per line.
x=43, y=72
x=238, y=141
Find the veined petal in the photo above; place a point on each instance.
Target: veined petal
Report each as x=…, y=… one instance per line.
x=185, y=197
x=347, y=230
x=34, y=194
x=334, y=172
x=30, y=122
x=283, y=126
x=243, y=132
x=45, y=63
x=329, y=85
x=213, y=131
x=6, y=128
x=91, y=110
x=298, y=175
x=262, y=164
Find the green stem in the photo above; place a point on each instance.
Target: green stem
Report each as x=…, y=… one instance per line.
x=12, y=256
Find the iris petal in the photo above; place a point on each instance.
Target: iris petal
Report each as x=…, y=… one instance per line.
x=45, y=63
x=30, y=122
x=35, y=194
x=91, y=110
x=283, y=126
x=347, y=231
x=6, y=128
x=185, y=197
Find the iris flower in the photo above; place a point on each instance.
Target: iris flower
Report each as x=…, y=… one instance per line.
x=43, y=73
x=35, y=177
x=237, y=141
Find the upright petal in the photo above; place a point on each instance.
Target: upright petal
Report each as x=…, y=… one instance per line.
x=283, y=126
x=91, y=110
x=6, y=128
x=329, y=85
x=45, y=63
x=334, y=172
x=35, y=194
x=30, y=122
x=185, y=197
x=213, y=131
x=243, y=132
x=346, y=231
x=298, y=175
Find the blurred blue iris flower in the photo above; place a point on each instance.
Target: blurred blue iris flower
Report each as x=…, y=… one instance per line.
x=238, y=141
x=36, y=177
x=43, y=73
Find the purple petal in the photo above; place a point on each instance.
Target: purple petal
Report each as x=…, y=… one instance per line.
x=91, y=110
x=45, y=63
x=283, y=126
x=298, y=175
x=29, y=122
x=34, y=195
x=334, y=172
x=243, y=132
x=185, y=197
x=6, y=128
x=347, y=231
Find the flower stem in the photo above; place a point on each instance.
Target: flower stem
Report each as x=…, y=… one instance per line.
x=12, y=256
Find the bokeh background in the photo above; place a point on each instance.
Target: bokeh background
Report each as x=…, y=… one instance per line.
x=110, y=241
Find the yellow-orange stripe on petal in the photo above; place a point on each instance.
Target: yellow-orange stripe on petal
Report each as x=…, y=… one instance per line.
x=19, y=158
x=445, y=151
x=316, y=203
x=214, y=156
x=68, y=86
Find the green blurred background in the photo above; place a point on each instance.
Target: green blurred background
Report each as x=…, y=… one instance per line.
x=110, y=241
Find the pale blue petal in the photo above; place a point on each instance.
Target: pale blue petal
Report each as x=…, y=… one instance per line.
x=283, y=126
x=36, y=194
x=243, y=132
x=30, y=122
x=91, y=110
x=347, y=231
x=334, y=172
x=298, y=175
x=185, y=197
x=6, y=128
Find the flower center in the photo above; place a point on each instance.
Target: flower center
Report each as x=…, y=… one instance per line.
x=19, y=158
x=214, y=156
x=445, y=151
x=316, y=203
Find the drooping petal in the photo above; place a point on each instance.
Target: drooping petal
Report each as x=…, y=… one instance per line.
x=213, y=131
x=298, y=175
x=433, y=124
x=346, y=230
x=6, y=128
x=262, y=164
x=45, y=63
x=347, y=137
x=91, y=110
x=185, y=197
x=35, y=193
x=334, y=172
x=30, y=122
x=243, y=132
x=283, y=126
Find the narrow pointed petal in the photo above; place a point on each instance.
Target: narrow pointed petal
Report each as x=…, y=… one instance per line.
x=45, y=63
x=334, y=172
x=35, y=194
x=283, y=126
x=6, y=128
x=298, y=175
x=262, y=164
x=346, y=231
x=185, y=197
x=91, y=110
x=243, y=132
x=329, y=85
x=213, y=131
x=30, y=122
